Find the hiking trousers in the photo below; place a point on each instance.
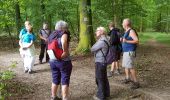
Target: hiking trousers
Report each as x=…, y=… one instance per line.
x=102, y=81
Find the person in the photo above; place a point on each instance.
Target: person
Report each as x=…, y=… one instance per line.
x=61, y=69
x=22, y=32
x=44, y=34
x=100, y=48
x=116, y=44
x=130, y=41
x=27, y=46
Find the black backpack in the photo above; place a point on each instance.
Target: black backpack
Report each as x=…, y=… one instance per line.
x=115, y=39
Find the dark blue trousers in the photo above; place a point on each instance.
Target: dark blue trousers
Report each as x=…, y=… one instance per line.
x=102, y=81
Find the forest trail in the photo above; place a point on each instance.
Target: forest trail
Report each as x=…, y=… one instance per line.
x=153, y=72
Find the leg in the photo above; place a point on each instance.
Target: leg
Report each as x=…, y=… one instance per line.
x=113, y=66
x=41, y=56
x=133, y=74
x=135, y=84
x=54, y=88
x=25, y=63
x=65, y=70
x=102, y=81
x=65, y=92
x=127, y=73
x=47, y=57
x=32, y=61
x=107, y=94
x=56, y=78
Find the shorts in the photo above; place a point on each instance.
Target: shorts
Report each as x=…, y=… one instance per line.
x=61, y=72
x=128, y=59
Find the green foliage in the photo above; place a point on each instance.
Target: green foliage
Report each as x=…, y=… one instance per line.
x=5, y=76
x=163, y=38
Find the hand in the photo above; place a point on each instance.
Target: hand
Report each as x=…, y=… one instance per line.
x=64, y=55
x=24, y=48
x=124, y=40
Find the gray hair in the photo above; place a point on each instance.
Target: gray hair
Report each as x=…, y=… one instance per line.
x=129, y=22
x=61, y=25
x=102, y=30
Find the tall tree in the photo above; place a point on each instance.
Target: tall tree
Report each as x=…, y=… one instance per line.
x=86, y=29
x=18, y=17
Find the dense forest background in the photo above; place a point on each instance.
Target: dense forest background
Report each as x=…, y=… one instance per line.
x=146, y=15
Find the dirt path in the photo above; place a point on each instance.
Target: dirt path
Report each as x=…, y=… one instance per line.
x=153, y=71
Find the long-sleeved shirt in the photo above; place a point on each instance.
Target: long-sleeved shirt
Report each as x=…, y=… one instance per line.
x=98, y=46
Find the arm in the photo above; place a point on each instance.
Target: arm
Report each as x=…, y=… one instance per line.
x=134, y=37
x=30, y=44
x=41, y=37
x=97, y=46
x=20, y=44
x=64, y=42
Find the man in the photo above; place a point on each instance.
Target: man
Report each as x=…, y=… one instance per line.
x=130, y=41
x=116, y=44
x=44, y=34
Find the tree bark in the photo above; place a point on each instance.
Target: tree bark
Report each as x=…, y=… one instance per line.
x=18, y=18
x=86, y=30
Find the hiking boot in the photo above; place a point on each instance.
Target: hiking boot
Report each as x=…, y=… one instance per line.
x=30, y=72
x=126, y=81
x=25, y=71
x=117, y=72
x=96, y=98
x=55, y=98
x=40, y=62
x=110, y=74
x=135, y=85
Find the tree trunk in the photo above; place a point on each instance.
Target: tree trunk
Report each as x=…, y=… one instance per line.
x=10, y=35
x=43, y=11
x=86, y=29
x=18, y=18
x=141, y=25
x=115, y=16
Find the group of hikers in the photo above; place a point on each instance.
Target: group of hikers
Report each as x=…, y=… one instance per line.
x=61, y=65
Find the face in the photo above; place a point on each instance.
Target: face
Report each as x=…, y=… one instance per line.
x=110, y=27
x=98, y=33
x=45, y=26
x=29, y=28
x=27, y=23
x=124, y=24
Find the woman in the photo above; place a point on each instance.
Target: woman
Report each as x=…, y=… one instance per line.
x=61, y=69
x=100, y=48
x=27, y=48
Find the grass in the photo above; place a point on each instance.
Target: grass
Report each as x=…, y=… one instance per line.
x=159, y=37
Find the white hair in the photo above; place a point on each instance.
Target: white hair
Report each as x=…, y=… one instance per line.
x=61, y=25
x=102, y=29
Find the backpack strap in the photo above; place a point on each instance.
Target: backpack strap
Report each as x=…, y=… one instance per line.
x=107, y=50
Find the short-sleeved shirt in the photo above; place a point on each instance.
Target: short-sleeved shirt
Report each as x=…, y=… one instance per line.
x=22, y=32
x=27, y=38
x=45, y=34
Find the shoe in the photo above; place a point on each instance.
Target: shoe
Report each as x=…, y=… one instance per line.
x=96, y=98
x=30, y=72
x=40, y=62
x=25, y=71
x=110, y=74
x=126, y=81
x=135, y=85
x=47, y=61
x=117, y=72
x=55, y=98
